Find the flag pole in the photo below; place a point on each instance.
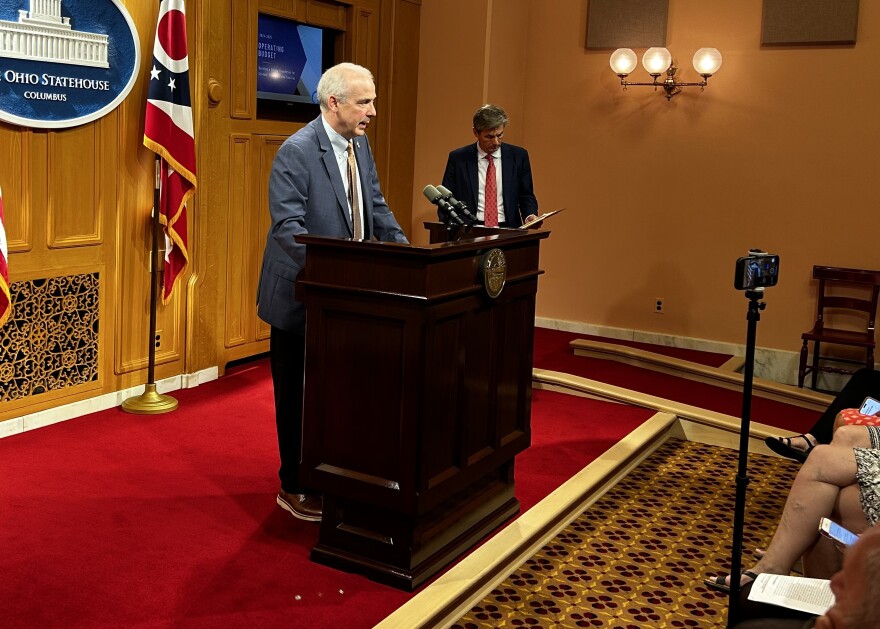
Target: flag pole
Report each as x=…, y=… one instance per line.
x=150, y=402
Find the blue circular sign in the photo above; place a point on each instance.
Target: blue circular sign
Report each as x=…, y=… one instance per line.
x=64, y=62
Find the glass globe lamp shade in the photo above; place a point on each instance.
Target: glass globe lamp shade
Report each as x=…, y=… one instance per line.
x=707, y=61
x=623, y=61
x=656, y=60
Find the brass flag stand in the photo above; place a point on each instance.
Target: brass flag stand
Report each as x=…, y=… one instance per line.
x=150, y=402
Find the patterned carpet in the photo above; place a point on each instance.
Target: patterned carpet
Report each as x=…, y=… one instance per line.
x=638, y=556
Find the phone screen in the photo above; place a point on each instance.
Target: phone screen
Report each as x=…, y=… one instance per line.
x=838, y=533
x=870, y=406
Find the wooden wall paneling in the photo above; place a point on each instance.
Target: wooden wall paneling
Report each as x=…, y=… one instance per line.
x=65, y=320
x=131, y=324
x=365, y=34
x=399, y=64
x=219, y=30
x=135, y=176
x=209, y=27
x=202, y=293
x=282, y=8
x=239, y=296
x=132, y=274
x=132, y=327
x=231, y=179
x=34, y=262
x=103, y=253
x=243, y=60
x=362, y=44
x=16, y=184
x=326, y=13
x=76, y=195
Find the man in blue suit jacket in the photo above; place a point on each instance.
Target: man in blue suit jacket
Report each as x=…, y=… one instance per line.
x=313, y=187
x=466, y=172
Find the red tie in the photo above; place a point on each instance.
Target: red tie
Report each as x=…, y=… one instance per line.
x=490, y=213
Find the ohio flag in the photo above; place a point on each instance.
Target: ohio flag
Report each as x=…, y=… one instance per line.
x=5, y=299
x=168, y=131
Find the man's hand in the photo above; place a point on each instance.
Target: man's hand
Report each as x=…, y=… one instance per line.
x=532, y=222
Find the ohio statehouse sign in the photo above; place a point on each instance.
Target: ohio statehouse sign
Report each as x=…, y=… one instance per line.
x=64, y=62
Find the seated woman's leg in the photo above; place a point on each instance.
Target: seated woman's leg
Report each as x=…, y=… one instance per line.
x=813, y=495
x=851, y=437
x=825, y=558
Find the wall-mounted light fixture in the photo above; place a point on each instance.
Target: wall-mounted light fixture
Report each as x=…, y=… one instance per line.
x=656, y=61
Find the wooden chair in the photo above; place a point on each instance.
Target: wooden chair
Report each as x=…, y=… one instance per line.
x=864, y=308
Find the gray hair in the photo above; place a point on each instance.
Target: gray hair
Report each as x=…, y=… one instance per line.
x=336, y=82
x=489, y=117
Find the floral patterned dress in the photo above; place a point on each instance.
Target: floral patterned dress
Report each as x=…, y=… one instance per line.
x=852, y=417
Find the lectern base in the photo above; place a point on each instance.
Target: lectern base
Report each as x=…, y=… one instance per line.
x=404, y=551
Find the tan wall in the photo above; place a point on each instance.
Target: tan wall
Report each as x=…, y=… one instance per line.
x=662, y=197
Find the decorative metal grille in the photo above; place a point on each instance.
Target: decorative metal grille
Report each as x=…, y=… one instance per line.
x=51, y=340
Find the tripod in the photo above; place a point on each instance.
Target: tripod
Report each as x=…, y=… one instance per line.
x=742, y=480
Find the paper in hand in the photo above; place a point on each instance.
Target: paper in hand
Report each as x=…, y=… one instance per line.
x=540, y=218
x=801, y=593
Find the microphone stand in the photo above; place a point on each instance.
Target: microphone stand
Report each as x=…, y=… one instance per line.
x=451, y=227
x=742, y=480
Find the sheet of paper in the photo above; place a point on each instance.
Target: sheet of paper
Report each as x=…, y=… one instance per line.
x=802, y=593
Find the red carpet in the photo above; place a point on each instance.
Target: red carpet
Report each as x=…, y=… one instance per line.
x=551, y=342
x=552, y=352
x=115, y=520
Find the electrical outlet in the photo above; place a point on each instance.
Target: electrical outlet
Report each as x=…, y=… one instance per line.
x=659, y=306
x=158, y=340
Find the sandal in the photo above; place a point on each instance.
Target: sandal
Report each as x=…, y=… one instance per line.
x=797, y=569
x=720, y=582
x=782, y=446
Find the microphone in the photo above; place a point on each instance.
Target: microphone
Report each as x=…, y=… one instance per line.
x=458, y=205
x=434, y=196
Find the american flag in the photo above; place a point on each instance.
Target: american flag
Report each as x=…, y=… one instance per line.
x=168, y=131
x=5, y=299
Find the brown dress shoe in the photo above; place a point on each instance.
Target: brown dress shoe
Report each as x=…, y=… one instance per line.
x=303, y=506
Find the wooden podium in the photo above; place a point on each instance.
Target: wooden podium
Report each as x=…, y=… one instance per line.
x=417, y=395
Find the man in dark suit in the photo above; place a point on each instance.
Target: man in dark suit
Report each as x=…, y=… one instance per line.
x=502, y=168
x=323, y=182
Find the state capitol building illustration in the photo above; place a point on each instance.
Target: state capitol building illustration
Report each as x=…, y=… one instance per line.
x=41, y=34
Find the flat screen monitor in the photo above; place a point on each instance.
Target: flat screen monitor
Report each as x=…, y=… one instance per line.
x=290, y=59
